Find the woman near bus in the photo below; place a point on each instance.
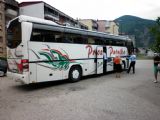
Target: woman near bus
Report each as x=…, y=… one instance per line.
x=118, y=67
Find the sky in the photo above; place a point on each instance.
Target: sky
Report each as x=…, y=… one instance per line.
x=105, y=9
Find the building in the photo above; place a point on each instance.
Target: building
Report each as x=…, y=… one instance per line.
x=2, y=29
x=45, y=11
x=108, y=27
x=92, y=24
x=11, y=10
x=8, y=10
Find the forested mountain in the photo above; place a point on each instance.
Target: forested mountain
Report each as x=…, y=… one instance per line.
x=132, y=25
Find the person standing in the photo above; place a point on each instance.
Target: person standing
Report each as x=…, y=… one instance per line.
x=132, y=59
x=118, y=67
x=156, y=61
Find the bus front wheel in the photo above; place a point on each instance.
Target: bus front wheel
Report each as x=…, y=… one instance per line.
x=75, y=74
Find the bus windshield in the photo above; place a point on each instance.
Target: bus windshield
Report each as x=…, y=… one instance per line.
x=14, y=34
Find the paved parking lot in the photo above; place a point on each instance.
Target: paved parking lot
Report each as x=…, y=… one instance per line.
x=131, y=97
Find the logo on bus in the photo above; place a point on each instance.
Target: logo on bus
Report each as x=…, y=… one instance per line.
x=92, y=51
x=56, y=58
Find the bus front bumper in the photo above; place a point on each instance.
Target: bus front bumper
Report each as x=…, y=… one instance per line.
x=23, y=78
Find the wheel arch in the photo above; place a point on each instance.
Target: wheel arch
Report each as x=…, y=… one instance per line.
x=77, y=65
x=74, y=78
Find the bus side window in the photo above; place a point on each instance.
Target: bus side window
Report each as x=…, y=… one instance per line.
x=85, y=40
x=67, y=39
x=111, y=42
x=53, y=36
x=75, y=38
x=49, y=38
x=36, y=36
x=99, y=41
x=107, y=41
x=59, y=38
x=91, y=40
x=78, y=39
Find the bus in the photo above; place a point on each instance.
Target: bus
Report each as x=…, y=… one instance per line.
x=40, y=50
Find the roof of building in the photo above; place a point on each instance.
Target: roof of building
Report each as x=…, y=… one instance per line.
x=22, y=4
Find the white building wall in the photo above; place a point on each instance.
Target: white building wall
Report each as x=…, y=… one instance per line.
x=35, y=10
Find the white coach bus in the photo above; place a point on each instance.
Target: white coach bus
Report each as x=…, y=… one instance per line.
x=40, y=50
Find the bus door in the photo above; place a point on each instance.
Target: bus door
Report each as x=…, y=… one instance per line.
x=104, y=59
x=110, y=64
x=127, y=61
x=99, y=61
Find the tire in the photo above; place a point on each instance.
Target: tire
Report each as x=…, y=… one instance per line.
x=2, y=73
x=75, y=74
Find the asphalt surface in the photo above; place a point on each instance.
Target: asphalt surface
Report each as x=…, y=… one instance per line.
x=131, y=97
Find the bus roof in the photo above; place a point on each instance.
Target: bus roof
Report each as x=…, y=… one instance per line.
x=24, y=18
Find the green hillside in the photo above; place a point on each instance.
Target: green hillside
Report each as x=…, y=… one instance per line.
x=139, y=27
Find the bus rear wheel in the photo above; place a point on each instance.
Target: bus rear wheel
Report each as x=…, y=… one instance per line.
x=2, y=73
x=75, y=74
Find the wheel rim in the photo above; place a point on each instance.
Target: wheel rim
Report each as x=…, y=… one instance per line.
x=75, y=74
x=1, y=73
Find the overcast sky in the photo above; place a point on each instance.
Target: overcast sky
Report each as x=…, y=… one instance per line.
x=106, y=9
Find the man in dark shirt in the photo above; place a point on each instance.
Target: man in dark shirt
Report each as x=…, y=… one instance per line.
x=156, y=62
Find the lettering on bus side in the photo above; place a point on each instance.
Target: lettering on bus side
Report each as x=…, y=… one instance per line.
x=116, y=51
x=92, y=51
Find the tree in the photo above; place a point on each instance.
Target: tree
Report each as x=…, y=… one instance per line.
x=155, y=31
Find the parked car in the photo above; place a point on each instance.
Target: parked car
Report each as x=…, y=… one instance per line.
x=3, y=67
